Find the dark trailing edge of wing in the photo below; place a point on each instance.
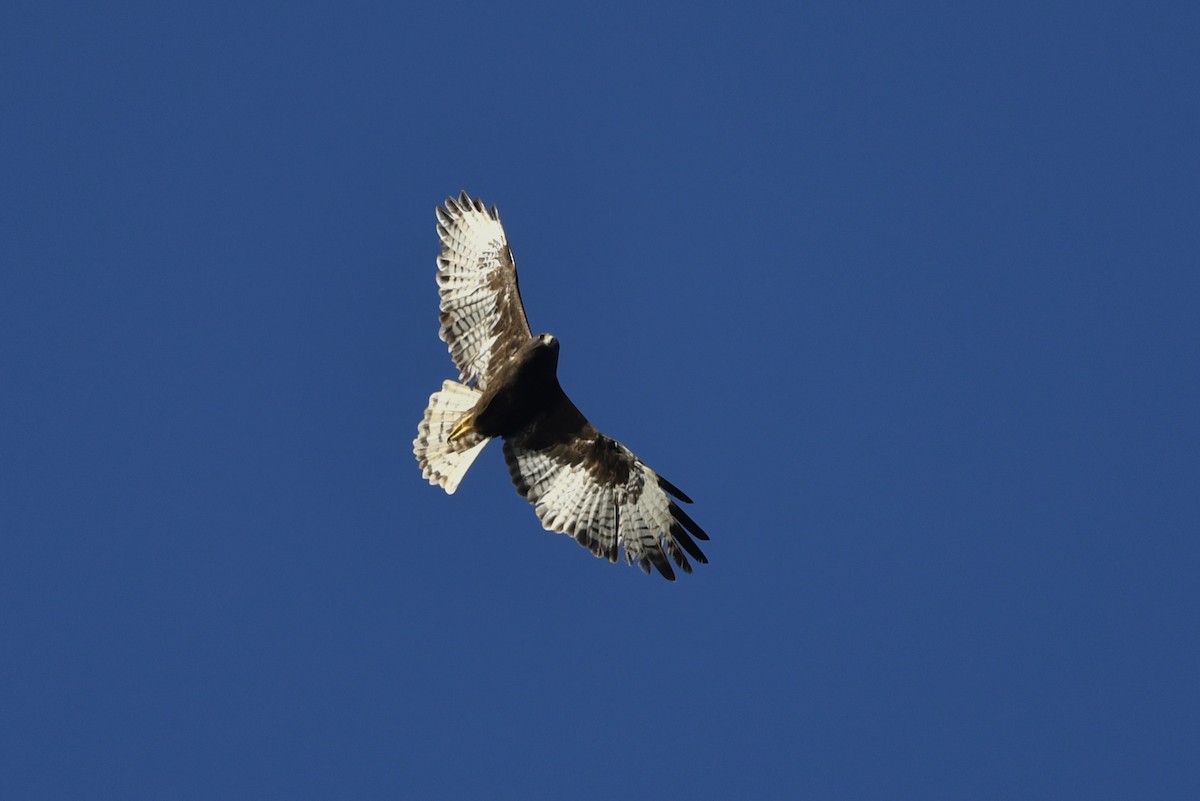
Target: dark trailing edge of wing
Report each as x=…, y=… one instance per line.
x=683, y=528
x=674, y=490
x=655, y=557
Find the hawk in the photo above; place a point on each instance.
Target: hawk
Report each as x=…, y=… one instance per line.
x=580, y=482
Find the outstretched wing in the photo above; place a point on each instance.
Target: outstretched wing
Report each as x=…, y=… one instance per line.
x=482, y=318
x=594, y=489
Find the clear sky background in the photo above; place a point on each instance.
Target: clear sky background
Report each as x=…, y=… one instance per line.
x=905, y=296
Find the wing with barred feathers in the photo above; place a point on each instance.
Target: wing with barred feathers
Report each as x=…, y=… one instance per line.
x=482, y=319
x=596, y=490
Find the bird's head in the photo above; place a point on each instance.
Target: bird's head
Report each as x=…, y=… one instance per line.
x=540, y=354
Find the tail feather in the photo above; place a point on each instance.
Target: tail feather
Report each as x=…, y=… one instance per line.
x=444, y=462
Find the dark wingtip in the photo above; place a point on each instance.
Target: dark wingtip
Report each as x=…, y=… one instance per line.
x=674, y=490
x=686, y=521
x=659, y=561
x=681, y=536
x=677, y=556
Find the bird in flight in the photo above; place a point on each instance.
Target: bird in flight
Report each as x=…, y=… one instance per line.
x=580, y=482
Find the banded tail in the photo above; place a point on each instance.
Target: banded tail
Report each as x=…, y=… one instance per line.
x=445, y=462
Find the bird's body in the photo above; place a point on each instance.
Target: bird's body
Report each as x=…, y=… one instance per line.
x=581, y=482
x=526, y=390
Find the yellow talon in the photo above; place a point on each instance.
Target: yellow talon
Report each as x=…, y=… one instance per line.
x=462, y=428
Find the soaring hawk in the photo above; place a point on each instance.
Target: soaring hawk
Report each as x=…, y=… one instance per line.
x=581, y=482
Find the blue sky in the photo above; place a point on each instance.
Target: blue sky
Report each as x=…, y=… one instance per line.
x=905, y=296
